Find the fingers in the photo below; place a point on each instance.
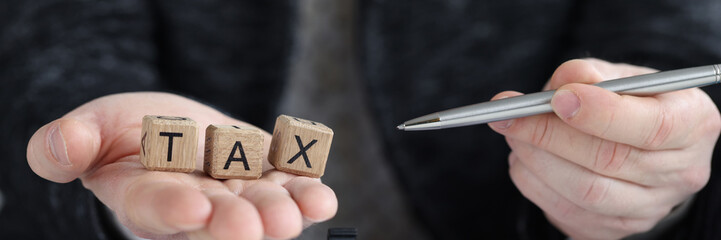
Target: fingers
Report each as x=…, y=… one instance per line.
x=568, y=216
x=662, y=122
x=263, y=207
x=166, y=207
x=618, y=135
x=317, y=202
x=279, y=213
x=233, y=217
x=311, y=200
x=638, y=121
x=608, y=158
x=591, y=191
x=62, y=150
x=609, y=165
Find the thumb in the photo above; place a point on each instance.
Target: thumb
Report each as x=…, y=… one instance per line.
x=62, y=150
x=105, y=130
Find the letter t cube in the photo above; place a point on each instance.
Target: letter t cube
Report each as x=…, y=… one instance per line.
x=169, y=143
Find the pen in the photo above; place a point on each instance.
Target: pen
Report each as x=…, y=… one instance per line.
x=540, y=102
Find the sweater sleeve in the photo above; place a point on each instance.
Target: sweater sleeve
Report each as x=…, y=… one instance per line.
x=54, y=56
x=663, y=34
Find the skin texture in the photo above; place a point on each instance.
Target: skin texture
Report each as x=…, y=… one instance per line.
x=605, y=166
x=99, y=143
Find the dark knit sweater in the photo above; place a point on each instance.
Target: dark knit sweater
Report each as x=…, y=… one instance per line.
x=417, y=58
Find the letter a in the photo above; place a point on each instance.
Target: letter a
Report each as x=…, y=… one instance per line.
x=242, y=158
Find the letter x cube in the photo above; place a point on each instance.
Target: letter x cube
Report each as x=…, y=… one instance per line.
x=300, y=146
x=169, y=143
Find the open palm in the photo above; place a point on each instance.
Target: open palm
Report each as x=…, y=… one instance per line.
x=99, y=143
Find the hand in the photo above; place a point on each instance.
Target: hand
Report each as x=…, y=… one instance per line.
x=605, y=166
x=99, y=143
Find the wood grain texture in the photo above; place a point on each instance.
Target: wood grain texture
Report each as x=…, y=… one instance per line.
x=300, y=146
x=169, y=143
x=233, y=152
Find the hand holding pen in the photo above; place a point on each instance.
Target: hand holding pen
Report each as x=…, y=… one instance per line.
x=538, y=103
x=605, y=165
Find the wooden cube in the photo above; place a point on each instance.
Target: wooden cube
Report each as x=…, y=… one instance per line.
x=233, y=152
x=169, y=143
x=300, y=146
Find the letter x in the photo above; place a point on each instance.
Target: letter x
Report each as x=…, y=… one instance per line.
x=302, y=151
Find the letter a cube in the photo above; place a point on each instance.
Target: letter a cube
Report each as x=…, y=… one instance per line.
x=233, y=152
x=169, y=143
x=300, y=146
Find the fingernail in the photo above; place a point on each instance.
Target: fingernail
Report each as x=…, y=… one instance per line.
x=566, y=103
x=505, y=124
x=58, y=147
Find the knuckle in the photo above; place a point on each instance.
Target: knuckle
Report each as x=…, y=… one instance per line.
x=704, y=117
x=712, y=123
x=593, y=193
x=661, y=130
x=611, y=156
x=694, y=179
x=542, y=132
x=564, y=208
x=512, y=158
x=605, y=130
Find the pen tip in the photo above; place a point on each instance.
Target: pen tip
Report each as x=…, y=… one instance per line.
x=401, y=127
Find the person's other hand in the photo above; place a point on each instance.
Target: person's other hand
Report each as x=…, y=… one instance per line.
x=606, y=166
x=99, y=143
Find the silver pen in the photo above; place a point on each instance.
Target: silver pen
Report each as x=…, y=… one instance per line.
x=540, y=102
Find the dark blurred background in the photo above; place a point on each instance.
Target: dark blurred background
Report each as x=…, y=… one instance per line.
x=359, y=66
x=325, y=84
